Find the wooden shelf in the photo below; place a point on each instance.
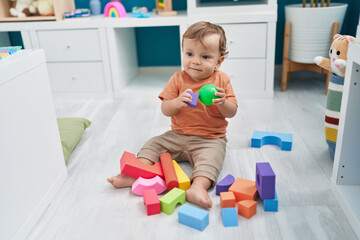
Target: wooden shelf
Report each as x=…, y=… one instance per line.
x=60, y=7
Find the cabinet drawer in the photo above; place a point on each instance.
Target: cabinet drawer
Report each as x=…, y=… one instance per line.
x=77, y=77
x=70, y=45
x=246, y=40
x=247, y=75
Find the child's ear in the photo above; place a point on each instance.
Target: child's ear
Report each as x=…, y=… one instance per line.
x=220, y=60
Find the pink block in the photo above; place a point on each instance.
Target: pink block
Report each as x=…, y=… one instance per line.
x=142, y=184
x=151, y=201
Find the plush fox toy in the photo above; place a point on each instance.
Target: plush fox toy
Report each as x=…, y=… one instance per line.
x=337, y=65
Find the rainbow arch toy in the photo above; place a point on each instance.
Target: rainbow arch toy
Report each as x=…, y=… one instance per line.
x=114, y=10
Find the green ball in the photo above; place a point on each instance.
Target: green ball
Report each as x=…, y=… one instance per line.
x=207, y=94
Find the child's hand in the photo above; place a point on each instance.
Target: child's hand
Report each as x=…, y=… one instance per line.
x=221, y=94
x=183, y=99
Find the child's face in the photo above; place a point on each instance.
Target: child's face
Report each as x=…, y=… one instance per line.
x=200, y=61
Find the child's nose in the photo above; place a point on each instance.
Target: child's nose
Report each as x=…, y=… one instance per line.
x=196, y=60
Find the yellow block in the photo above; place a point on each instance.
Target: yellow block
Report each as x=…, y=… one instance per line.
x=184, y=181
x=331, y=134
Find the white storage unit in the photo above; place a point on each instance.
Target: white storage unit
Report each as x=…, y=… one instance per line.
x=346, y=177
x=98, y=56
x=32, y=162
x=77, y=60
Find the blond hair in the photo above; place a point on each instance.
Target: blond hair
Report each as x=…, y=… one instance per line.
x=200, y=30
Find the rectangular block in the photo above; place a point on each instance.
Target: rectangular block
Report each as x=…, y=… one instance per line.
x=227, y=200
x=193, y=217
x=151, y=201
x=229, y=216
x=271, y=205
x=265, y=180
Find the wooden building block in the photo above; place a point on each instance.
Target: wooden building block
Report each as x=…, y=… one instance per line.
x=151, y=202
x=283, y=140
x=131, y=166
x=169, y=171
x=247, y=208
x=265, y=180
x=227, y=200
x=142, y=184
x=229, y=217
x=184, y=181
x=224, y=184
x=193, y=217
x=271, y=205
x=169, y=201
x=244, y=189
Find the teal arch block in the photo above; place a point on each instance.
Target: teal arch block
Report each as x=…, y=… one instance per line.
x=283, y=140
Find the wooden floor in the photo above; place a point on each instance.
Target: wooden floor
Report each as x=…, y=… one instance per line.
x=88, y=207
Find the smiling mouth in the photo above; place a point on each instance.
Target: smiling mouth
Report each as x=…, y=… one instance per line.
x=198, y=70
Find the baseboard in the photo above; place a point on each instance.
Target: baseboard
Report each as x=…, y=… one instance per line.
x=41, y=207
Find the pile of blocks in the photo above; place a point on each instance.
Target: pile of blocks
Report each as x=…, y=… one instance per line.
x=153, y=180
x=245, y=193
x=6, y=51
x=158, y=178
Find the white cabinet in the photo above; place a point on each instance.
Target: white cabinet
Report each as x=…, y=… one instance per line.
x=346, y=177
x=78, y=62
x=246, y=61
x=31, y=155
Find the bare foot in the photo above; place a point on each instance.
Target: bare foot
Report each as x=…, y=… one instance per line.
x=198, y=194
x=121, y=181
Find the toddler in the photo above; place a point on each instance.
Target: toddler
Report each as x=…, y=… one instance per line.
x=197, y=135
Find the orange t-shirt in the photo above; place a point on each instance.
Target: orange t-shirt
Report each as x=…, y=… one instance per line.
x=204, y=121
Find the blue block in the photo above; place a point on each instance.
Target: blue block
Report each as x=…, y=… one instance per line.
x=229, y=216
x=271, y=205
x=193, y=217
x=283, y=140
x=265, y=180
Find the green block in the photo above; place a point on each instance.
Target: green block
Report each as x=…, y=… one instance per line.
x=169, y=201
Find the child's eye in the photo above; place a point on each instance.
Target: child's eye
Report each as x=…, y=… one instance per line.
x=189, y=54
x=205, y=57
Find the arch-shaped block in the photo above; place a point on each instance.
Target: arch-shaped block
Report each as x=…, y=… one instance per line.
x=131, y=166
x=142, y=184
x=224, y=184
x=169, y=201
x=114, y=10
x=283, y=140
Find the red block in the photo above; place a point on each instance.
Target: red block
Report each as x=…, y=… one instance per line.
x=151, y=201
x=131, y=166
x=169, y=171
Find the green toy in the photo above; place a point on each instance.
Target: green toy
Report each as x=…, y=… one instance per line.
x=207, y=94
x=169, y=201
